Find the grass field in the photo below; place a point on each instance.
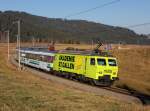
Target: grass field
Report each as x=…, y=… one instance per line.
x=134, y=68
x=22, y=91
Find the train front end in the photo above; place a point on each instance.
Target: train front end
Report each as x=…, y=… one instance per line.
x=107, y=70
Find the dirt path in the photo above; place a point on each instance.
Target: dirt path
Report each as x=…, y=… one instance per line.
x=79, y=86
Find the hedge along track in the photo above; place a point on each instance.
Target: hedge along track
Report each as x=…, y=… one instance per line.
x=113, y=92
x=145, y=99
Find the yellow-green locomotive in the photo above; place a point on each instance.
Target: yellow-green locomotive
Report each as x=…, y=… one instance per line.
x=98, y=69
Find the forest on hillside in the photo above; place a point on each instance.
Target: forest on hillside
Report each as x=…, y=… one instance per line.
x=43, y=29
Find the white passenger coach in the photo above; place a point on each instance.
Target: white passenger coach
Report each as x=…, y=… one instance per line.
x=38, y=59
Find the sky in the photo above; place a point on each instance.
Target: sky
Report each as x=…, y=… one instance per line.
x=123, y=13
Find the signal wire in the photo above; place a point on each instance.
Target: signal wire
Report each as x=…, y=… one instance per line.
x=91, y=9
x=138, y=25
x=129, y=26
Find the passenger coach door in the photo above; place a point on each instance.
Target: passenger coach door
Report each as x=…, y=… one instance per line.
x=91, y=67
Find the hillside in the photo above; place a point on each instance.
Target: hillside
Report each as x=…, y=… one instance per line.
x=148, y=36
x=65, y=31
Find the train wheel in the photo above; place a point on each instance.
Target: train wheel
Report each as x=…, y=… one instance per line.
x=80, y=78
x=93, y=82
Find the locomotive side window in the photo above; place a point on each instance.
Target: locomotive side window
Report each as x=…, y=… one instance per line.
x=92, y=61
x=101, y=62
x=112, y=62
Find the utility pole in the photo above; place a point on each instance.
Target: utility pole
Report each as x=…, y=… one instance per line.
x=8, y=45
x=33, y=42
x=8, y=54
x=92, y=44
x=18, y=43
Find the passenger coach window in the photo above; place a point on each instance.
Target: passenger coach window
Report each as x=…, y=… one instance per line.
x=92, y=62
x=50, y=59
x=112, y=62
x=101, y=62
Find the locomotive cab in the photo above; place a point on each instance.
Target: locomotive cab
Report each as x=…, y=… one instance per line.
x=102, y=69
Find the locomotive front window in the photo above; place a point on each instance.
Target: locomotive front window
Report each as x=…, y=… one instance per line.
x=112, y=62
x=101, y=62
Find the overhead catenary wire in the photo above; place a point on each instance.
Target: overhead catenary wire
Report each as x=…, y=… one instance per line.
x=103, y=5
x=137, y=25
x=129, y=26
x=91, y=9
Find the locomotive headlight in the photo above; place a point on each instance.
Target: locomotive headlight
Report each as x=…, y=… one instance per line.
x=100, y=72
x=114, y=73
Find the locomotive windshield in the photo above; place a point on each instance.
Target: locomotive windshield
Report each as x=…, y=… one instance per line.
x=101, y=62
x=112, y=62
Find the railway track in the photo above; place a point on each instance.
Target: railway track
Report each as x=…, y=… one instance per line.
x=118, y=90
x=145, y=99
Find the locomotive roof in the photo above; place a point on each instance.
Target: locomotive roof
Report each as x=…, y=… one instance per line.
x=86, y=52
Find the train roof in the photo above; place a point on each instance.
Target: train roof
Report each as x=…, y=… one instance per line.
x=45, y=51
x=86, y=53
x=38, y=51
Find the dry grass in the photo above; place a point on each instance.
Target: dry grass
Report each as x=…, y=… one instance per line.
x=134, y=68
x=22, y=91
